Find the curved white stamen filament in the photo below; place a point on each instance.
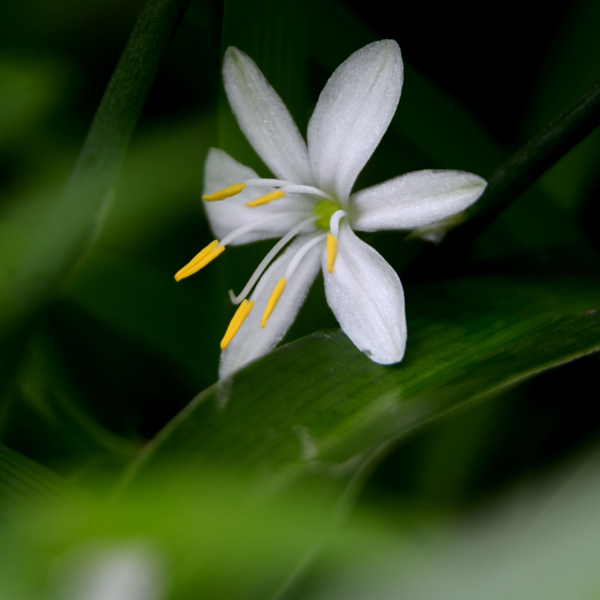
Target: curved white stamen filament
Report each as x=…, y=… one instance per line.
x=334, y=223
x=266, y=261
x=301, y=254
x=305, y=189
x=236, y=233
x=287, y=186
x=266, y=182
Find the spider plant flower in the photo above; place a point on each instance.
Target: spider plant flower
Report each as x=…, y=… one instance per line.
x=310, y=206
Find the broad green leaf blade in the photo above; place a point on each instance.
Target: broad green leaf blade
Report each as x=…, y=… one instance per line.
x=319, y=405
x=75, y=223
x=25, y=485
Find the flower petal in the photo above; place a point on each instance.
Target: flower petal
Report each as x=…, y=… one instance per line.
x=220, y=171
x=366, y=296
x=415, y=199
x=252, y=340
x=352, y=114
x=264, y=119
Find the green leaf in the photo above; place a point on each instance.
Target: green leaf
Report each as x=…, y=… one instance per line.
x=538, y=542
x=319, y=406
x=26, y=485
x=48, y=417
x=211, y=541
x=73, y=227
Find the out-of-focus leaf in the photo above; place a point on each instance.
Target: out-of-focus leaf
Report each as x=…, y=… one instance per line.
x=47, y=417
x=74, y=225
x=159, y=186
x=217, y=543
x=25, y=485
x=538, y=543
x=28, y=89
x=182, y=322
x=319, y=406
x=570, y=67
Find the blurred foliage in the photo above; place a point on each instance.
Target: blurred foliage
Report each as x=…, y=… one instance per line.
x=467, y=466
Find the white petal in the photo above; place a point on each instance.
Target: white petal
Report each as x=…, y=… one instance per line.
x=366, y=297
x=264, y=119
x=252, y=341
x=352, y=114
x=221, y=171
x=415, y=199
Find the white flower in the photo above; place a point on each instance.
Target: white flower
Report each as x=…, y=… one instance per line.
x=310, y=204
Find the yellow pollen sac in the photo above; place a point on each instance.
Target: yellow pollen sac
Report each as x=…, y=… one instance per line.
x=275, y=195
x=232, y=190
x=240, y=316
x=331, y=251
x=200, y=260
x=273, y=301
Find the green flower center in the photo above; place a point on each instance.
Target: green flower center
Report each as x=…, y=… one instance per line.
x=324, y=210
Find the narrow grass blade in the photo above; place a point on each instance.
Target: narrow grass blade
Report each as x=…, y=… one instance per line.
x=73, y=227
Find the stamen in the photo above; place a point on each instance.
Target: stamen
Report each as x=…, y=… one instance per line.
x=275, y=195
x=305, y=189
x=266, y=261
x=273, y=301
x=199, y=261
x=236, y=233
x=267, y=182
x=334, y=223
x=232, y=190
x=301, y=254
x=331, y=251
x=240, y=316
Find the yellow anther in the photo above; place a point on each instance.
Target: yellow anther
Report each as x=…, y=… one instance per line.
x=331, y=251
x=273, y=301
x=240, y=316
x=200, y=260
x=232, y=190
x=275, y=195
